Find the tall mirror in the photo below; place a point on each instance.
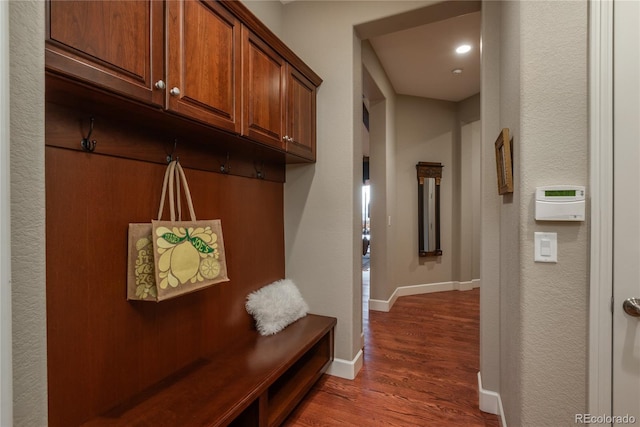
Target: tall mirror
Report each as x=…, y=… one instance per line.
x=429, y=177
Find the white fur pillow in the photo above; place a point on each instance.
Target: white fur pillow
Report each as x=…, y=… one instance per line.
x=276, y=306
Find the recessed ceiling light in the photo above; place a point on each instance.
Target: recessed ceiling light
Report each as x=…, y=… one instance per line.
x=464, y=48
x=456, y=71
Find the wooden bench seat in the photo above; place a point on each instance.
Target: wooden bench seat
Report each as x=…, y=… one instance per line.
x=256, y=383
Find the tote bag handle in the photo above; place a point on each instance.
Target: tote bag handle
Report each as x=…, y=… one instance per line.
x=173, y=177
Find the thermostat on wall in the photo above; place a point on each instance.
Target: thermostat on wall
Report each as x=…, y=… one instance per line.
x=560, y=203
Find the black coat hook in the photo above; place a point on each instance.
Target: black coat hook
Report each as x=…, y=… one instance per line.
x=226, y=167
x=259, y=173
x=170, y=156
x=86, y=143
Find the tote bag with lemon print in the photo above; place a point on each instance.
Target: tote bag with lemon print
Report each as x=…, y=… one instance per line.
x=175, y=257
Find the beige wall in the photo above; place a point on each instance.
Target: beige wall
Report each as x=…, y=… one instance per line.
x=469, y=248
x=542, y=98
x=436, y=131
x=382, y=165
x=322, y=201
x=330, y=50
x=425, y=132
x=394, y=153
x=269, y=12
x=490, y=305
x=468, y=191
x=27, y=213
x=509, y=237
x=6, y=341
x=554, y=108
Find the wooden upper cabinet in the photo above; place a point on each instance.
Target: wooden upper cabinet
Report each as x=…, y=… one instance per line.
x=117, y=45
x=204, y=63
x=207, y=60
x=264, y=78
x=301, y=116
x=279, y=104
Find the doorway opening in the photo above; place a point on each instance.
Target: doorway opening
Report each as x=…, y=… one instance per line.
x=366, y=213
x=366, y=247
x=420, y=124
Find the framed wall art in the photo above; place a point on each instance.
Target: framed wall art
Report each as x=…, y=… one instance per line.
x=504, y=160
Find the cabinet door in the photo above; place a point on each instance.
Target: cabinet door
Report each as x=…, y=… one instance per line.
x=116, y=45
x=264, y=92
x=301, y=116
x=203, y=69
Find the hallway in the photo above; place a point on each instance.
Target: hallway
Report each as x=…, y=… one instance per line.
x=421, y=365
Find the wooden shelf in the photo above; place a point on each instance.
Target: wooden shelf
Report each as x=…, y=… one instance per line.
x=287, y=392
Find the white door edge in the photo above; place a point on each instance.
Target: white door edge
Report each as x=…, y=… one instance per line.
x=601, y=182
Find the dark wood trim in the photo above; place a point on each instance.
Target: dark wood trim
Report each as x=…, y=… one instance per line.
x=137, y=131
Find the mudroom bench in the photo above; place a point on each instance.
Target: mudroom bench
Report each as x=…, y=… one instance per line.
x=255, y=383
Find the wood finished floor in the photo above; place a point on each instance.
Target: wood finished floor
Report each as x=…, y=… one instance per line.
x=421, y=364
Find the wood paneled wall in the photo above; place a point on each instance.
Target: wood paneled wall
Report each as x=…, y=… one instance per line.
x=103, y=349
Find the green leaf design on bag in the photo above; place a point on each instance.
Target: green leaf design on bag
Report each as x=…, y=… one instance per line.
x=200, y=245
x=172, y=238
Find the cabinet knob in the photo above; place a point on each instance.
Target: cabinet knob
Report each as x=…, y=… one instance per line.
x=160, y=85
x=175, y=91
x=287, y=138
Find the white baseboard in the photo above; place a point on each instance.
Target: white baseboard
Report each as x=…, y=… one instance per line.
x=491, y=402
x=382, y=305
x=467, y=286
x=347, y=369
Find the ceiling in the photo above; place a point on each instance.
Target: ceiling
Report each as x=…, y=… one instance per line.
x=419, y=60
x=417, y=50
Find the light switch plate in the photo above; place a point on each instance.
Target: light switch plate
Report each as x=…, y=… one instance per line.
x=546, y=247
